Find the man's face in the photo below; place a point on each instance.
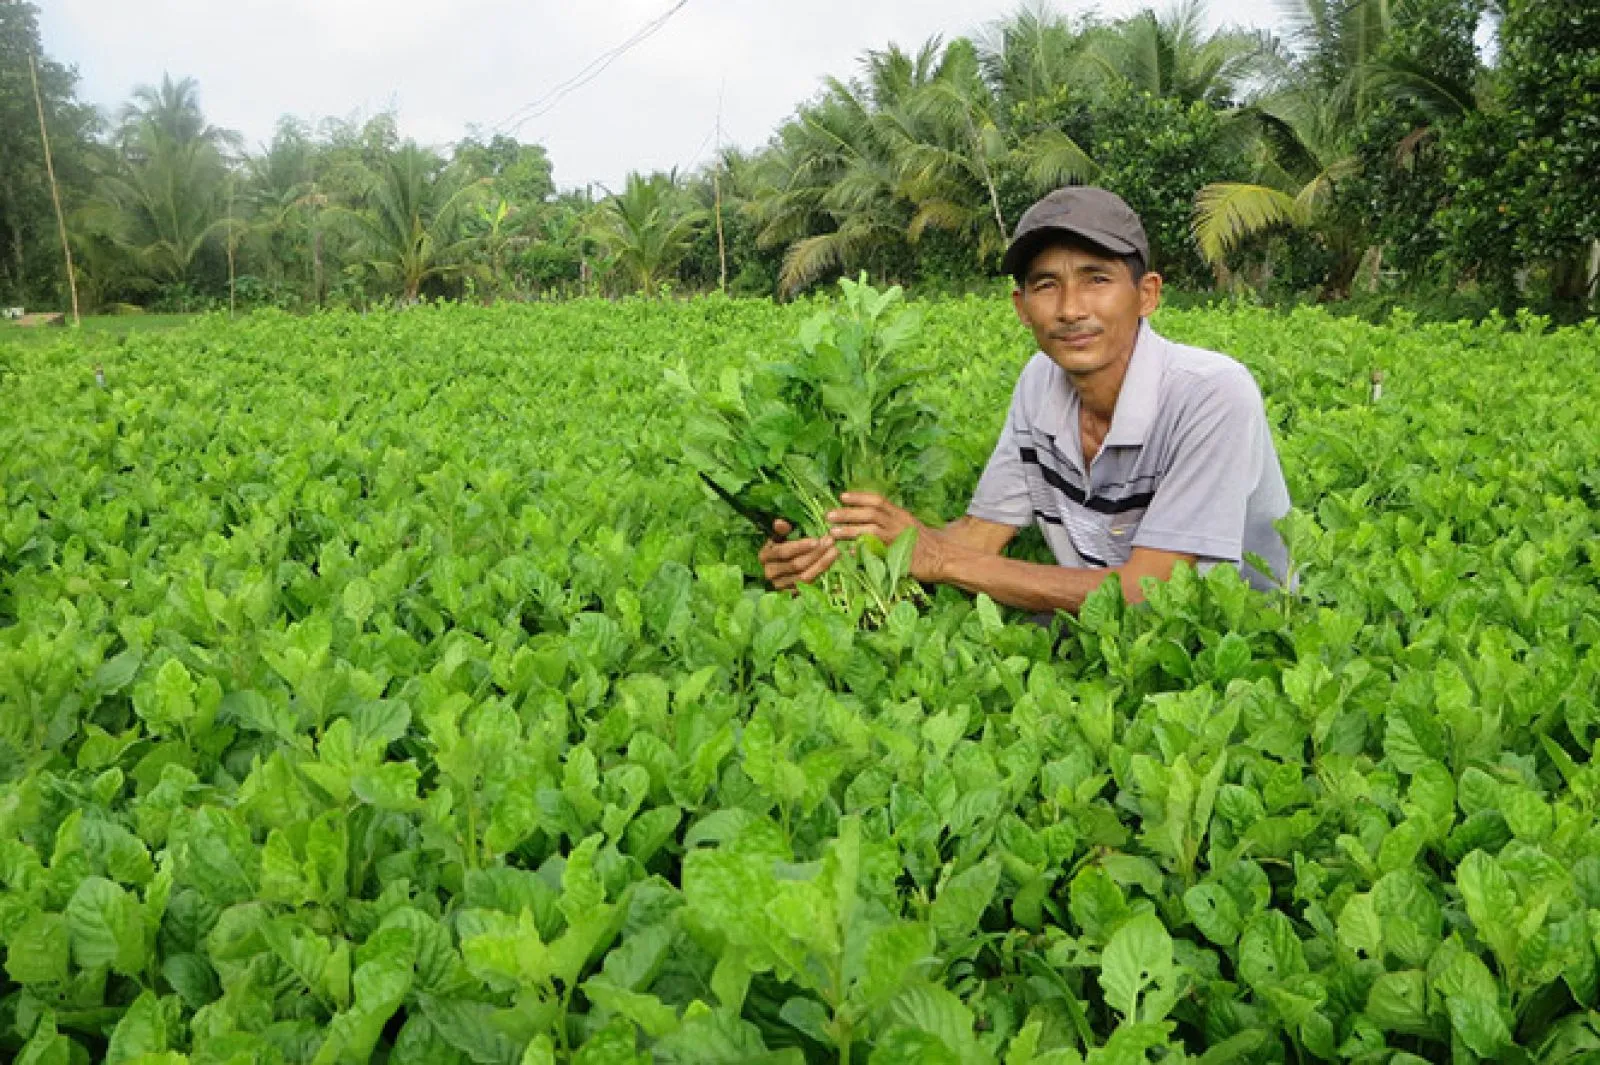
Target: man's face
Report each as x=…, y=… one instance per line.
x=1084, y=306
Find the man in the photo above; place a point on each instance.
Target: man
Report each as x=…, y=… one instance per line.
x=1132, y=453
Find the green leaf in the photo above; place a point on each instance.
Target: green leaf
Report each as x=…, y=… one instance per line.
x=1242, y=1045
x=48, y=1046
x=1270, y=953
x=142, y=1030
x=389, y=786
x=358, y=600
x=1398, y=1001
x=106, y=927
x=936, y=1012
x=39, y=952
x=192, y=978
x=899, y=557
x=810, y=1017
x=1360, y=927
x=730, y=979
x=470, y=1028
x=960, y=904
x=1213, y=910
x=1491, y=901
x=894, y=954
x=117, y=672
x=1097, y=903
x=1138, y=958
x=1230, y=658
x=1480, y=1024
x=539, y=1051
x=989, y=619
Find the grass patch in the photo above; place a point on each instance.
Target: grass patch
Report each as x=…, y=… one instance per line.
x=96, y=327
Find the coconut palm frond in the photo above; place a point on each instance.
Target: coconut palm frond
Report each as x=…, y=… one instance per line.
x=808, y=259
x=1227, y=213
x=1052, y=159
x=1436, y=95
x=943, y=214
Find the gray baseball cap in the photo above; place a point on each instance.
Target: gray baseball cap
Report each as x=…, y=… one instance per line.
x=1096, y=215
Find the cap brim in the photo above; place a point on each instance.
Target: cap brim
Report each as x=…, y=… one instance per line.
x=1026, y=246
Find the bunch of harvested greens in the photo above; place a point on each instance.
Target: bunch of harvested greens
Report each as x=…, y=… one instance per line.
x=840, y=415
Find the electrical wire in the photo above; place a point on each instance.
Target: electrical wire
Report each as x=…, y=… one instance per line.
x=544, y=104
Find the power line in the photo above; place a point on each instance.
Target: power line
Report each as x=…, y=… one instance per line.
x=715, y=132
x=700, y=151
x=544, y=104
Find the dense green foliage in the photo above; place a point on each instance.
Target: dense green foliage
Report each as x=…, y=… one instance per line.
x=1523, y=174
x=30, y=246
x=381, y=687
x=1379, y=148
x=839, y=413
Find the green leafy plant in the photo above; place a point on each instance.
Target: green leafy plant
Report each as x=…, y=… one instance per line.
x=841, y=414
x=374, y=688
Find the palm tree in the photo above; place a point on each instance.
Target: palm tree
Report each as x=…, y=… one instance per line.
x=503, y=230
x=918, y=142
x=170, y=113
x=646, y=229
x=162, y=197
x=955, y=150
x=828, y=189
x=410, y=226
x=1031, y=59
x=282, y=201
x=1303, y=148
x=1303, y=131
x=1170, y=54
x=162, y=206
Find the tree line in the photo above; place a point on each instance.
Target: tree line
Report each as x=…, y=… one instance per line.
x=1441, y=149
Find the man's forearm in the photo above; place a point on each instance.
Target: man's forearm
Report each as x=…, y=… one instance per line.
x=1036, y=587
x=975, y=534
x=1028, y=586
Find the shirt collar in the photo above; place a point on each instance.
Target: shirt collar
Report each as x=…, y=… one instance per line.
x=1141, y=391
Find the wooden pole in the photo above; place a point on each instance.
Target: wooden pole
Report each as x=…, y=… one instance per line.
x=1594, y=269
x=55, y=193
x=230, y=247
x=722, y=248
x=716, y=190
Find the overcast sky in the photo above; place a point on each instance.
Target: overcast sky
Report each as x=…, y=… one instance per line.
x=448, y=66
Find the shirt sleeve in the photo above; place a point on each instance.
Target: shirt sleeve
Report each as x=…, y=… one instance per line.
x=1002, y=493
x=1201, y=505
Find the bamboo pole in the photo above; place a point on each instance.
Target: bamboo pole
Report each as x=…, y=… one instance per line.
x=1594, y=269
x=722, y=249
x=55, y=193
x=230, y=247
x=716, y=191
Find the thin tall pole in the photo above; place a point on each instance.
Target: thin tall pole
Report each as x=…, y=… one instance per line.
x=55, y=194
x=716, y=191
x=230, y=247
x=722, y=249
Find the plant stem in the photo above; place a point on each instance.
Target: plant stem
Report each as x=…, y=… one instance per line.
x=472, y=834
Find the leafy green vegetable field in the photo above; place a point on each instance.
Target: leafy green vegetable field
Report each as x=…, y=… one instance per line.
x=378, y=688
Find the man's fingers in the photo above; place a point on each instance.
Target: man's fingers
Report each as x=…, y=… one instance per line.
x=856, y=516
x=861, y=499
x=781, y=529
x=790, y=551
x=829, y=557
x=855, y=532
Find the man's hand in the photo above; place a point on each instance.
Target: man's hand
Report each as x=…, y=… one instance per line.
x=864, y=513
x=790, y=562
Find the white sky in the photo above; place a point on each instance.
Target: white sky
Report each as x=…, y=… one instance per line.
x=448, y=65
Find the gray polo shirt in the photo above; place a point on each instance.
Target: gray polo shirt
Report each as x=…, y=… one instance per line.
x=1187, y=466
